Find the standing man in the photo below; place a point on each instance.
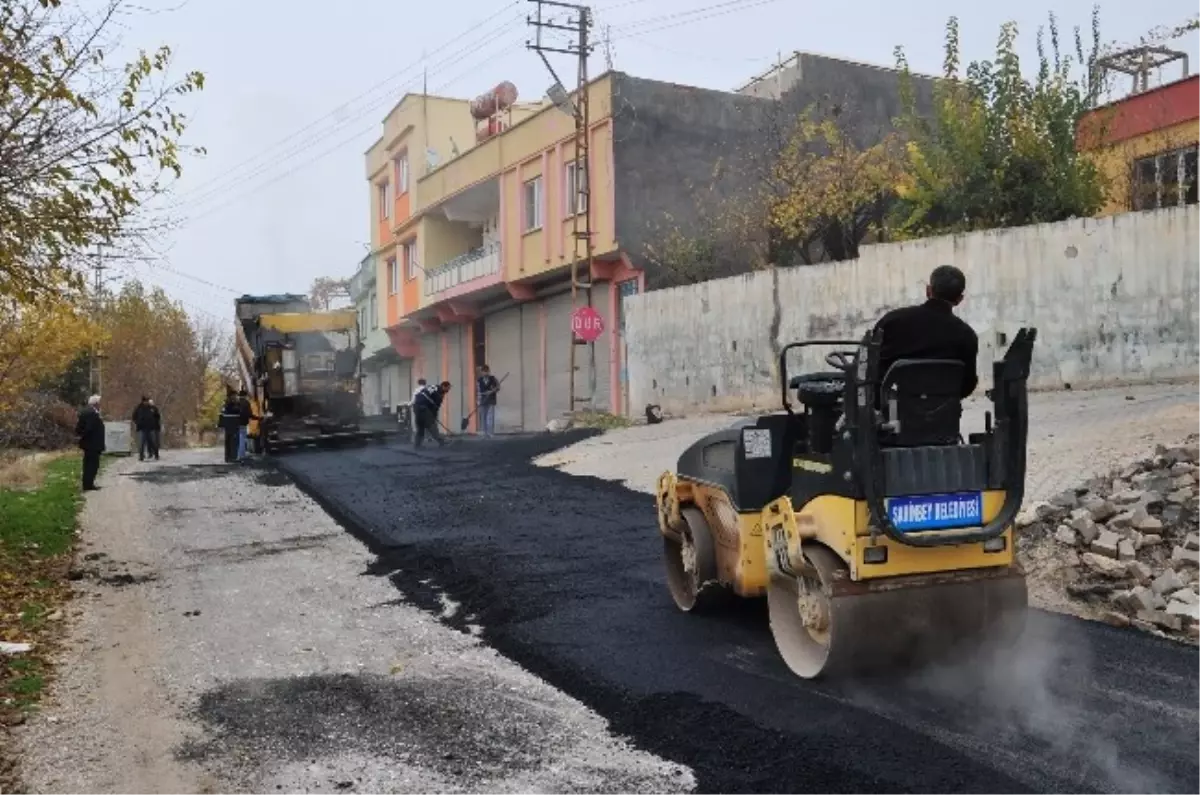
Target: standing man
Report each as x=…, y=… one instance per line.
x=90, y=430
x=426, y=404
x=245, y=414
x=143, y=421
x=486, y=387
x=155, y=428
x=230, y=421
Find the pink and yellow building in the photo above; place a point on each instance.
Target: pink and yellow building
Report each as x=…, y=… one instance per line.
x=472, y=228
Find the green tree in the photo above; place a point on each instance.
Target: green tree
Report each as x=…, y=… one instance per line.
x=83, y=145
x=998, y=148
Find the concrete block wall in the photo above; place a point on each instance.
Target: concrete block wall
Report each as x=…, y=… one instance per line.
x=1114, y=300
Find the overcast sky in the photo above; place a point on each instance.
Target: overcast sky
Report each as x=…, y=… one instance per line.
x=296, y=91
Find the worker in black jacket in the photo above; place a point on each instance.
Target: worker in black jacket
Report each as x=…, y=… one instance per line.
x=231, y=423
x=426, y=404
x=146, y=422
x=90, y=430
x=931, y=330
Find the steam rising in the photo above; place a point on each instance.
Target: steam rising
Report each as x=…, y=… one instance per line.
x=1038, y=712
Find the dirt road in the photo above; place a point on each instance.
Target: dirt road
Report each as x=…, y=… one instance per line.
x=564, y=575
x=229, y=636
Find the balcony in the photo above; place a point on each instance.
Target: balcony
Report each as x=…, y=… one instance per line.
x=459, y=272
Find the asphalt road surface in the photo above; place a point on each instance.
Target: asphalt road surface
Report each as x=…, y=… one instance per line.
x=564, y=575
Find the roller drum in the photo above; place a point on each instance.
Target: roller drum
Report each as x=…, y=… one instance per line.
x=836, y=626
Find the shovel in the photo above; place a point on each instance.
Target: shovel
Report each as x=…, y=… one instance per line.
x=467, y=419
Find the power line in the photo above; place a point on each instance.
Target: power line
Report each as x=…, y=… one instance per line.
x=487, y=55
x=386, y=82
x=217, y=185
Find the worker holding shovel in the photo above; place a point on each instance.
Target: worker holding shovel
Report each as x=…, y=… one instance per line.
x=486, y=388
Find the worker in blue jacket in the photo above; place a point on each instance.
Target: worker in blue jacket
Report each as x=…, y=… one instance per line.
x=426, y=405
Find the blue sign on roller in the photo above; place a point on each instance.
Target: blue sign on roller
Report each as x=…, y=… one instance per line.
x=936, y=511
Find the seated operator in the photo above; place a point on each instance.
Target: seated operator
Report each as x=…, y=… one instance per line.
x=931, y=330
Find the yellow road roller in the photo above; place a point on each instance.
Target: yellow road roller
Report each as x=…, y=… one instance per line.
x=878, y=535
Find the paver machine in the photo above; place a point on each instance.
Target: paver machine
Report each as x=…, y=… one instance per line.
x=879, y=536
x=301, y=370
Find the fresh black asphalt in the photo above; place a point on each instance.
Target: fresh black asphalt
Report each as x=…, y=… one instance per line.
x=564, y=574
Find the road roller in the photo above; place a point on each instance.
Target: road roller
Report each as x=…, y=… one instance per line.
x=879, y=535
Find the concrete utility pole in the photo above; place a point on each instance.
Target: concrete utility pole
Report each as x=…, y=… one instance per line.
x=578, y=22
x=95, y=369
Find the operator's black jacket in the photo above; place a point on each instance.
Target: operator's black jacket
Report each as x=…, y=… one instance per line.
x=90, y=430
x=429, y=398
x=929, y=331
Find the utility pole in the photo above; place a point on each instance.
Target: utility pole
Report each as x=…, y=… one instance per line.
x=95, y=373
x=578, y=22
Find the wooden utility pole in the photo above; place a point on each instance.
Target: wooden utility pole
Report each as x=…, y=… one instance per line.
x=578, y=22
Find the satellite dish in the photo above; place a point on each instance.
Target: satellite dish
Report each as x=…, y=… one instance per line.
x=561, y=99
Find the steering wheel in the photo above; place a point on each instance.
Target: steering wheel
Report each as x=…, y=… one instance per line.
x=841, y=360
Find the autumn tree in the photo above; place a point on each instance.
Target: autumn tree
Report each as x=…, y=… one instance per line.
x=811, y=188
x=999, y=149
x=37, y=343
x=83, y=144
x=154, y=350
x=325, y=291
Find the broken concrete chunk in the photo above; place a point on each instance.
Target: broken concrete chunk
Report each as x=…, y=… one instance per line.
x=1065, y=535
x=1185, y=595
x=1167, y=582
x=1099, y=509
x=1025, y=519
x=1147, y=524
x=1087, y=529
x=1161, y=619
x=1179, y=496
x=1184, y=610
x=1141, y=572
x=1069, y=559
x=1065, y=499
x=1192, y=541
x=1105, y=566
x=1141, y=598
x=1122, y=521
x=1151, y=540
x=1125, y=550
x=1127, y=497
x=1115, y=619
x=1106, y=544
x=1181, y=556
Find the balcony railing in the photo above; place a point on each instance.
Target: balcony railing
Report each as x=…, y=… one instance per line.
x=475, y=264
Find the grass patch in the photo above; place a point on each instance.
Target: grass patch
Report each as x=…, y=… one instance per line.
x=39, y=504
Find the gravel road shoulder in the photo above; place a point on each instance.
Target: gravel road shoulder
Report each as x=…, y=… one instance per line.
x=228, y=635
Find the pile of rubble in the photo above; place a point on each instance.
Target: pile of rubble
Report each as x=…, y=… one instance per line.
x=1125, y=547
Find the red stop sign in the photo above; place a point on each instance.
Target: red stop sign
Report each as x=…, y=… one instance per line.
x=587, y=324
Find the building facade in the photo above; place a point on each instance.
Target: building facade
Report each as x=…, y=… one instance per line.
x=477, y=267
x=1145, y=145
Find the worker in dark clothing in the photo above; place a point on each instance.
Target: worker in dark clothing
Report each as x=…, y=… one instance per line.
x=931, y=330
x=90, y=430
x=426, y=405
x=146, y=420
x=231, y=422
x=245, y=415
x=155, y=428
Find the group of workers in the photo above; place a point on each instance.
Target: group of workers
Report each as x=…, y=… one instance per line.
x=427, y=402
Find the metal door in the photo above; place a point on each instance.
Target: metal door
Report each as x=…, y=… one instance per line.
x=625, y=290
x=531, y=368
x=503, y=333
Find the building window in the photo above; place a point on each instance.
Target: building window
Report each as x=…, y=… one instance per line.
x=1164, y=180
x=532, y=205
x=385, y=200
x=402, y=174
x=574, y=201
x=410, y=260
x=373, y=310
x=393, y=277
